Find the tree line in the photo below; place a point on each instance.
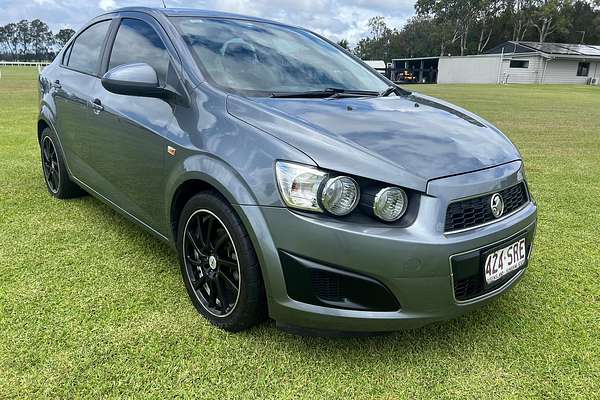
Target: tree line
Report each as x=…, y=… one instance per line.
x=462, y=27
x=440, y=27
x=31, y=41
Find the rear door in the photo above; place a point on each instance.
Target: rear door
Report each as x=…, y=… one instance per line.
x=74, y=85
x=131, y=140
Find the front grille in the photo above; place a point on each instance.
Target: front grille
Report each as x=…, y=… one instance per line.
x=477, y=211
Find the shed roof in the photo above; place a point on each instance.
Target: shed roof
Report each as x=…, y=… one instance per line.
x=563, y=49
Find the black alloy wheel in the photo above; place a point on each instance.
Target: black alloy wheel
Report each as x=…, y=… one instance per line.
x=51, y=165
x=219, y=266
x=212, y=263
x=58, y=181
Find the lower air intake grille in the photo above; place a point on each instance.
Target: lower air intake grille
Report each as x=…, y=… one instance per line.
x=327, y=286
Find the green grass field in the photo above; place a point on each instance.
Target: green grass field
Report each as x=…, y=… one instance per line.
x=91, y=305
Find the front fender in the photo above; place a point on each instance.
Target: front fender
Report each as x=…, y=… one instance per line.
x=212, y=171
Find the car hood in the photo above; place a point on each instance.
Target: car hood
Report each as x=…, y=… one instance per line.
x=406, y=140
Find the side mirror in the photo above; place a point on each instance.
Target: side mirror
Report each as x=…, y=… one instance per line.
x=134, y=80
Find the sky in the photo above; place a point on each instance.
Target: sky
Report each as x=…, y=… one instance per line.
x=335, y=19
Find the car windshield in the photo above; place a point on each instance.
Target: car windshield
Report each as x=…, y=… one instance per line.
x=258, y=58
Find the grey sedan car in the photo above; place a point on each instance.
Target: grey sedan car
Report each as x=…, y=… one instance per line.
x=294, y=181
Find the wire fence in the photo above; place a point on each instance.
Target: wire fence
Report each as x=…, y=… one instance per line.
x=38, y=64
x=24, y=63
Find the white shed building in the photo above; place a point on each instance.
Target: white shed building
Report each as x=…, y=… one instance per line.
x=524, y=62
x=378, y=65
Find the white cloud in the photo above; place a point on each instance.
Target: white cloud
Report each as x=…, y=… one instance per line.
x=106, y=5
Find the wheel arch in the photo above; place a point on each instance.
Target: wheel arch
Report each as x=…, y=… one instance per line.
x=200, y=173
x=184, y=192
x=46, y=116
x=42, y=124
x=45, y=120
x=197, y=184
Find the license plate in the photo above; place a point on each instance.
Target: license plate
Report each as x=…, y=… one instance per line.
x=504, y=261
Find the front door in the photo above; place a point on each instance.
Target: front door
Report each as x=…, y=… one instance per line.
x=131, y=139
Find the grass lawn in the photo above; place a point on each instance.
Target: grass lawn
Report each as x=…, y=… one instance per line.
x=91, y=305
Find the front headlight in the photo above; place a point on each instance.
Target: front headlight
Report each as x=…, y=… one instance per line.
x=390, y=204
x=299, y=185
x=304, y=187
x=340, y=195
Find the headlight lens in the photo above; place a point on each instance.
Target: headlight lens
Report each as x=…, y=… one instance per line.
x=304, y=187
x=299, y=185
x=390, y=204
x=340, y=195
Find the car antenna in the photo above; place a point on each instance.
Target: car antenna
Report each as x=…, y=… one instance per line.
x=163, y=3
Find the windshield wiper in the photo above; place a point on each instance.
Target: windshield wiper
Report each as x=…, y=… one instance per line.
x=394, y=89
x=325, y=93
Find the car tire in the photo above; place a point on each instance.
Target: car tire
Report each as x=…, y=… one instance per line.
x=216, y=257
x=54, y=169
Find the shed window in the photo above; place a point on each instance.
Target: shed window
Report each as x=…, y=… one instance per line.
x=519, y=63
x=583, y=69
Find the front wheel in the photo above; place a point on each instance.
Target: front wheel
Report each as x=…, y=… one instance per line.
x=218, y=264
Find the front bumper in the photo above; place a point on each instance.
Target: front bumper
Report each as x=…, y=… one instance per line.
x=414, y=263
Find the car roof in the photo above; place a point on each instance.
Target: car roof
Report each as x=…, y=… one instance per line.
x=192, y=12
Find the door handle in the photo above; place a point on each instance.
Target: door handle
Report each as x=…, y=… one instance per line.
x=96, y=105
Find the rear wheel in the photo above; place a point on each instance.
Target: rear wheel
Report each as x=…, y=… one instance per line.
x=218, y=264
x=55, y=171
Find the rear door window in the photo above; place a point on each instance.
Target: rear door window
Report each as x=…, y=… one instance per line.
x=85, y=52
x=138, y=42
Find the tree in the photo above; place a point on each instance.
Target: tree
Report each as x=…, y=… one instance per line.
x=377, y=45
x=344, y=43
x=585, y=24
x=519, y=12
x=63, y=36
x=3, y=40
x=458, y=15
x=549, y=16
x=486, y=15
x=421, y=36
x=41, y=38
x=24, y=36
x=378, y=27
x=440, y=27
x=11, y=39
